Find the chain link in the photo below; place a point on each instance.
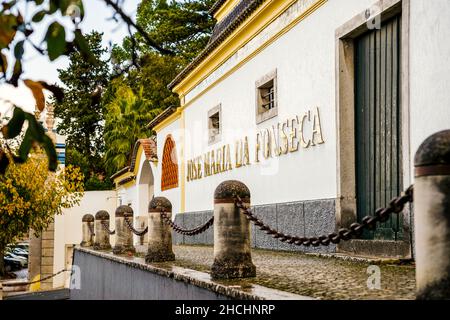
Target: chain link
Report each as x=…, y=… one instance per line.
x=105, y=225
x=40, y=280
x=191, y=232
x=132, y=229
x=396, y=205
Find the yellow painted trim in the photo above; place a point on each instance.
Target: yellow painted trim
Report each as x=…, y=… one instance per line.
x=129, y=184
x=238, y=39
x=182, y=162
x=122, y=176
x=262, y=17
x=170, y=119
x=225, y=9
x=138, y=157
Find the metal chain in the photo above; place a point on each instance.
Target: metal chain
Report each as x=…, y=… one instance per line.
x=132, y=229
x=191, y=232
x=36, y=281
x=106, y=227
x=91, y=229
x=396, y=205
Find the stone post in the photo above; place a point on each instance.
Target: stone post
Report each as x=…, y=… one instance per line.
x=432, y=217
x=232, y=255
x=159, y=233
x=124, y=236
x=101, y=241
x=87, y=225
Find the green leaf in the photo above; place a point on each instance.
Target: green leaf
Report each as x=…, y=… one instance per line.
x=50, y=150
x=17, y=71
x=18, y=50
x=4, y=162
x=39, y=16
x=56, y=40
x=14, y=126
x=36, y=132
x=38, y=2
x=25, y=147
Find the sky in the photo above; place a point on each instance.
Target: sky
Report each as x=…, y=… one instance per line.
x=38, y=67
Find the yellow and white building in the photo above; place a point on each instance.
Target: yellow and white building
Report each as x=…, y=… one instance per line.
x=318, y=106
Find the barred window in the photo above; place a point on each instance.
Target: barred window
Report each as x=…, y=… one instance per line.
x=214, y=124
x=169, y=176
x=266, y=97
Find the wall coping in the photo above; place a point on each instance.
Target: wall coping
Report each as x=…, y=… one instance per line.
x=199, y=279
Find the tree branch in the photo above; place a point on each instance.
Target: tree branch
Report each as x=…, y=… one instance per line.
x=144, y=34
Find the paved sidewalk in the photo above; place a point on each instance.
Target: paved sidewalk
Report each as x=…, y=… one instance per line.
x=318, y=277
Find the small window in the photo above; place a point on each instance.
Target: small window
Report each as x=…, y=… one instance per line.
x=266, y=97
x=214, y=124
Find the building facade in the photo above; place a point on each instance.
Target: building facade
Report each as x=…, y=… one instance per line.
x=318, y=106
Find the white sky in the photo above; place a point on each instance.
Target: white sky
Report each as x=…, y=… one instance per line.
x=38, y=67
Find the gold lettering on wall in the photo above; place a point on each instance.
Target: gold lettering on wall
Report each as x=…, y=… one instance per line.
x=301, y=126
x=293, y=143
x=317, y=129
x=246, y=158
x=258, y=147
x=285, y=137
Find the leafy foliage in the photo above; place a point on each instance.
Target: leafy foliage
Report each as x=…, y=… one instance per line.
x=125, y=122
x=34, y=133
x=30, y=196
x=80, y=112
x=15, y=31
x=183, y=27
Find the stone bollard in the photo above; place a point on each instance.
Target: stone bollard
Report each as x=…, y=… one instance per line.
x=124, y=236
x=232, y=255
x=432, y=217
x=101, y=239
x=159, y=233
x=87, y=227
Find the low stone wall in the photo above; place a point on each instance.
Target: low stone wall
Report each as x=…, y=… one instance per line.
x=303, y=218
x=104, y=276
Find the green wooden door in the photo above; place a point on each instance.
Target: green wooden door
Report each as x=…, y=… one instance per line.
x=378, y=124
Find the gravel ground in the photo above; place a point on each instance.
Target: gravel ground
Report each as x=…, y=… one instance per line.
x=318, y=277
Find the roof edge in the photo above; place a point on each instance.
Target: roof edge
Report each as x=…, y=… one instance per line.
x=216, y=6
x=161, y=117
x=228, y=30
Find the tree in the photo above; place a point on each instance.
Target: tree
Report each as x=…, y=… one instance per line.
x=80, y=112
x=126, y=118
x=15, y=31
x=30, y=196
x=183, y=27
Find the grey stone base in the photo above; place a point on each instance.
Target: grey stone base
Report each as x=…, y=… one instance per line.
x=123, y=250
x=98, y=246
x=230, y=269
x=159, y=256
x=85, y=244
x=303, y=219
x=376, y=248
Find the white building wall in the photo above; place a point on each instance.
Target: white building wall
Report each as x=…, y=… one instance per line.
x=305, y=61
x=429, y=70
x=68, y=228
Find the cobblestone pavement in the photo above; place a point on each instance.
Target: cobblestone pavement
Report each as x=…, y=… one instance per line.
x=318, y=277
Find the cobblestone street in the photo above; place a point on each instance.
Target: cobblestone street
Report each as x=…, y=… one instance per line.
x=318, y=277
